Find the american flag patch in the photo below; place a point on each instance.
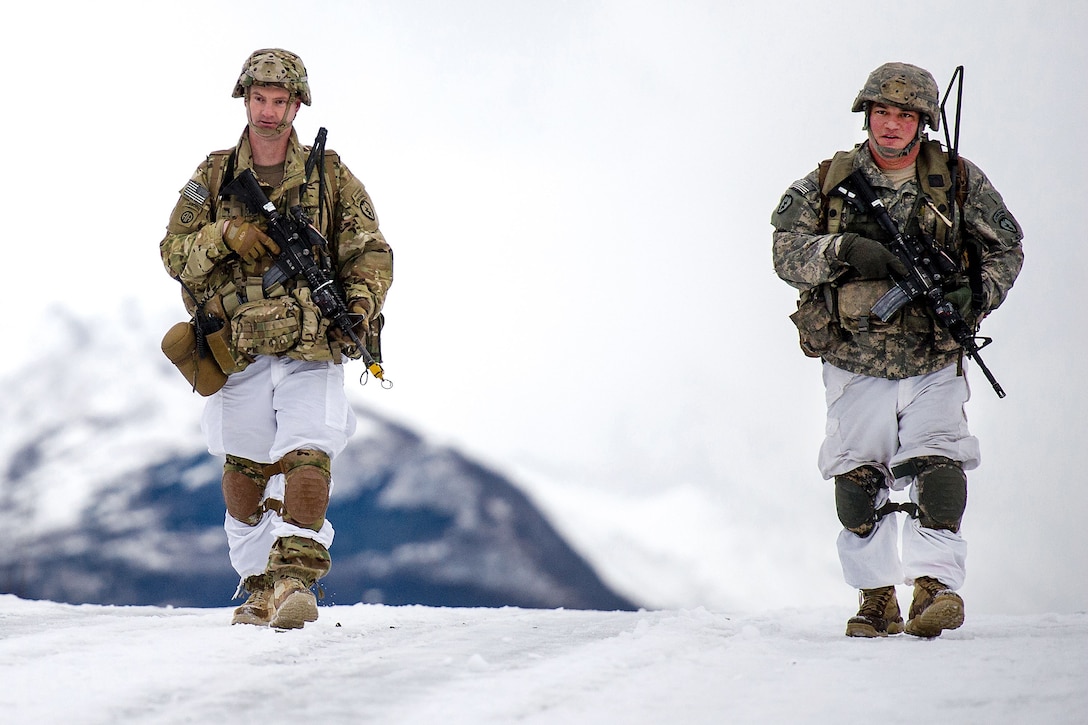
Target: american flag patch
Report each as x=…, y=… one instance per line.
x=804, y=187
x=195, y=192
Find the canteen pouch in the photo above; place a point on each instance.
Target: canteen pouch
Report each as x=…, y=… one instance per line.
x=199, y=368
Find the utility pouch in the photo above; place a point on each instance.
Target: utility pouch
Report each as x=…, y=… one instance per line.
x=199, y=367
x=313, y=339
x=219, y=341
x=815, y=324
x=918, y=320
x=266, y=326
x=855, y=304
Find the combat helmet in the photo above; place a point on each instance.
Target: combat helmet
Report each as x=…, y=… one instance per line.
x=274, y=67
x=905, y=86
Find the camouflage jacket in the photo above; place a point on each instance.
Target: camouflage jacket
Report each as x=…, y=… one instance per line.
x=194, y=252
x=833, y=311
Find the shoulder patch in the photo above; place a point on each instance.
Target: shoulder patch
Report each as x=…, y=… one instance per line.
x=785, y=203
x=1005, y=221
x=804, y=187
x=368, y=209
x=195, y=193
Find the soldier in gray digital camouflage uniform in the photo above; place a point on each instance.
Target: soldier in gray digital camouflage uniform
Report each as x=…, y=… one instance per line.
x=895, y=390
x=282, y=414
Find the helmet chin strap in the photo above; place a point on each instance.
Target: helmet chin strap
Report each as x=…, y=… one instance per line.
x=888, y=152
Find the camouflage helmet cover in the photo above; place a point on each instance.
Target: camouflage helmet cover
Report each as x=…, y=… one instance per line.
x=274, y=67
x=905, y=86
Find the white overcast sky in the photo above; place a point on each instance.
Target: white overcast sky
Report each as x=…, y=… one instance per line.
x=578, y=196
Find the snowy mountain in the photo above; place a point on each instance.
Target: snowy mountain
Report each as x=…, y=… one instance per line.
x=108, y=496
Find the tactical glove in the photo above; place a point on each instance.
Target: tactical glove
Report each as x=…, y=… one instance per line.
x=247, y=240
x=870, y=258
x=961, y=300
x=360, y=306
x=360, y=310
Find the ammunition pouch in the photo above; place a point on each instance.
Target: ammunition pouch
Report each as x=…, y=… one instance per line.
x=855, y=304
x=198, y=366
x=829, y=314
x=266, y=326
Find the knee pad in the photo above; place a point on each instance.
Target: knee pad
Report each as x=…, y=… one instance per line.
x=244, y=482
x=306, y=491
x=855, y=498
x=942, y=492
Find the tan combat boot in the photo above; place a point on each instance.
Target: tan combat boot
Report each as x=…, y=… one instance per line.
x=295, y=564
x=878, y=615
x=293, y=604
x=935, y=608
x=257, y=609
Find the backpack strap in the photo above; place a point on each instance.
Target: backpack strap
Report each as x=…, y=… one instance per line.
x=972, y=249
x=220, y=174
x=821, y=179
x=330, y=184
x=830, y=172
x=332, y=181
x=961, y=182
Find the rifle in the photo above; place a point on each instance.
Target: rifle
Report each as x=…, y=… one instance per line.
x=299, y=243
x=928, y=270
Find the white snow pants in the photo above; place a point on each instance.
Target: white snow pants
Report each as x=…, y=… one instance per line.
x=275, y=406
x=879, y=422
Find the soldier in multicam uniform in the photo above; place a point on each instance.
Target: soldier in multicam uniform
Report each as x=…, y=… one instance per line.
x=895, y=390
x=282, y=414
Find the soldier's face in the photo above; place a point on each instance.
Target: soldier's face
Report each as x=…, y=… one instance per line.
x=271, y=110
x=893, y=127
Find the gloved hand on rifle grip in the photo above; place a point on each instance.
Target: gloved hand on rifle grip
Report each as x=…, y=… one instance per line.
x=360, y=312
x=961, y=300
x=247, y=240
x=870, y=258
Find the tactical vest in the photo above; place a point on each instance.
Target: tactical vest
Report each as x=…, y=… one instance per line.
x=238, y=291
x=934, y=177
x=221, y=172
x=824, y=318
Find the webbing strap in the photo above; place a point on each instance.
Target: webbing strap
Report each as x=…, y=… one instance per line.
x=907, y=468
x=219, y=175
x=272, y=504
x=891, y=507
x=274, y=468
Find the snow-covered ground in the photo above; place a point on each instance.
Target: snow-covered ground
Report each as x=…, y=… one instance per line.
x=378, y=664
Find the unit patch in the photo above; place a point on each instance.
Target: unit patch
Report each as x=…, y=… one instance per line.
x=1003, y=220
x=787, y=201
